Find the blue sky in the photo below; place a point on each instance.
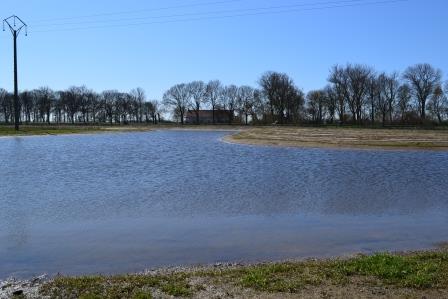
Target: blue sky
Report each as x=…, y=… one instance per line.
x=300, y=37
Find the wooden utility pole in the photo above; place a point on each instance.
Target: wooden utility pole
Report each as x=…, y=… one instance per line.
x=16, y=25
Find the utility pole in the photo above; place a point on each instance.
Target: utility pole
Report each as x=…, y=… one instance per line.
x=16, y=25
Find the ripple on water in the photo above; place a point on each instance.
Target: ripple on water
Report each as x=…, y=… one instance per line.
x=78, y=184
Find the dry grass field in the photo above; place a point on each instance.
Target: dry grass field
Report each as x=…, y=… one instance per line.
x=344, y=138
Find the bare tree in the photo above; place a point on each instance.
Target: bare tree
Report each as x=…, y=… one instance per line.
x=404, y=101
x=358, y=81
x=372, y=96
x=70, y=99
x=27, y=105
x=284, y=98
x=139, y=97
x=95, y=105
x=6, y=104
x=246, y=101
x=123, y=106
x=331, y=102
x=382, y=104
x=198, y=93
x=58, y=109
x=152, y=110
x=295, y=103
x=438, y=104
x=339, y=80
x=261, y=107
x=315, y=104
x=229, y=100
x=46, y=98
x=212, y=95
x=392, y=85
x=108, y=98
x=178, y=97
x=82, y=100
x=423, y=79
x=268, y=83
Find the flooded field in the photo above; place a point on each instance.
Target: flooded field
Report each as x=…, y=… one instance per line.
x=114, y=203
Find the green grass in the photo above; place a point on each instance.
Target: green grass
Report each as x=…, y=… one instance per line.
x=177, y=289
x=417, y=271
x=425, y=270
x=122, y=286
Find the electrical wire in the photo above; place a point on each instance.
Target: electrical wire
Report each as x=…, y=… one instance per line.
x=238, y=15
x=138, y=11
x=207, y=13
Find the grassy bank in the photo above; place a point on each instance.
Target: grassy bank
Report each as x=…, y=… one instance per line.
x=412, y=275
x=344, y=138
x=30, y=130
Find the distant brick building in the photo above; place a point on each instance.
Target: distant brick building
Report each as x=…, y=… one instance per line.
x=206, y=117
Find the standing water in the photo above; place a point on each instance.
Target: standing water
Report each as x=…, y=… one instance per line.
x=115, y=203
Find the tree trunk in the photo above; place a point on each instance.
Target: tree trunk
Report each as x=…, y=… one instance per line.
x=230, y=117
x=198, y=107
x=390, y=113
x=423, y=111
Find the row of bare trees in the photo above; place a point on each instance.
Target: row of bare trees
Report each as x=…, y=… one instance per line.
x=197, y=95
x=358, y=94
x=276, y=100
x=355, y=94
x=80, y=105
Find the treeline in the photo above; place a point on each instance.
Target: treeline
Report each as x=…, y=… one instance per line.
x=358, y=94
x=277, y=98
x=355, y=94
x=80, y=105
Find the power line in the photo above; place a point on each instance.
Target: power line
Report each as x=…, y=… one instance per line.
x=138, y=11
x=227, y=16
x=207, y=13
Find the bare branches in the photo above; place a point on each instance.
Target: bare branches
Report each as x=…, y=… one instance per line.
x=285, y=99
x=356, y=94
x=178, y=97
x=423, y=79
x=198, y=91
x=213, y=91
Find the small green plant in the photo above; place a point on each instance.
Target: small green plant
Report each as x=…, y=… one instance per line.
x=408, y=271
x=142, y=295
x=177, y=289
x=417, y=271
